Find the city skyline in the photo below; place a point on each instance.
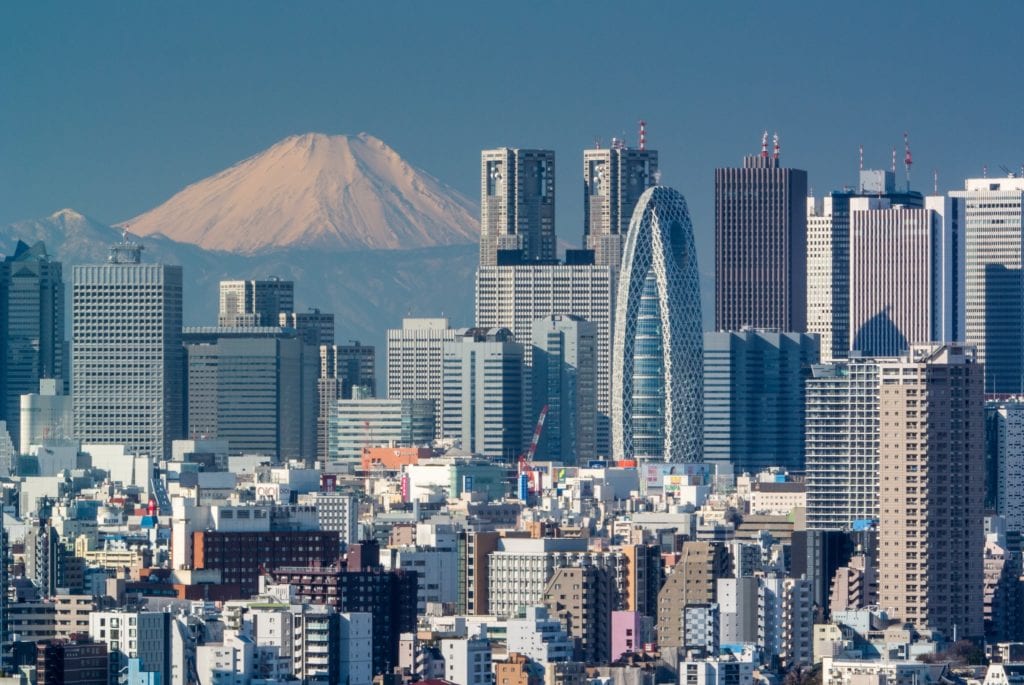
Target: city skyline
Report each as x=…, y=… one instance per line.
x=98, y=163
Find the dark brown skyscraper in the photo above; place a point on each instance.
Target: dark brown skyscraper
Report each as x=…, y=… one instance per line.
x=761, y=245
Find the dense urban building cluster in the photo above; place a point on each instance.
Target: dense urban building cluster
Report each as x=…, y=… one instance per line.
x=581, y=486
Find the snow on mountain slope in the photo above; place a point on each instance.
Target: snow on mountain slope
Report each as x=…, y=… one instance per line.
x=316, y=191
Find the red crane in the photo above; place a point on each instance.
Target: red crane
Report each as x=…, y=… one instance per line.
x=526, y=458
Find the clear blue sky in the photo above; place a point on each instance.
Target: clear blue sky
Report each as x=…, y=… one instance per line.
x=110, y=107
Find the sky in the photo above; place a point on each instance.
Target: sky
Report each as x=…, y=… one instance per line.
x=110, y=108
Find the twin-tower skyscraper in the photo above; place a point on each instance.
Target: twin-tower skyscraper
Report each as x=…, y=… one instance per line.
x=638, y=242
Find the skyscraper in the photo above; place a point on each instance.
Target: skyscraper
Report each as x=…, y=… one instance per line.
x=760, y=245
x=31, y=327
x=841, y=443
x=828, y=257
x=993, y=320
x=517, y=204
x=564, y=368
x=514, y=297
x=1005, y=440
x=657, y=404
x=254, y=303
x=931, y=497
x=754, y=398
x=416, y=361
x=317, y=327
x=127, y=356
x=613, y=181
x=254, y=387
x=483, y=395
x=901, y=265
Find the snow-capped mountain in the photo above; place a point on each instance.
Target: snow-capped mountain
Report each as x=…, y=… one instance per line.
x=317, y=191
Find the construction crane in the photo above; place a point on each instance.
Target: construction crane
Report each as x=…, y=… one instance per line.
x=526, y=458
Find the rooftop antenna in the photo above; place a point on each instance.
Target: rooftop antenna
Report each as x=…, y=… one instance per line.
x=908, y=160
x=775, y=144
x=643, y=134
x=984, y=171
x=935, y=181
x=597, y=143
x=764, y=144
x=894, y=159
x=860, y=149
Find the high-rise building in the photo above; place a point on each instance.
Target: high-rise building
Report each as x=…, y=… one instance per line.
x=346, y=371
x=657, y=404
x=127, y=357
x=828, y=257
x=483, y=396
x=754, y=398
x=514, y=297
x=254, y=303
x=359, y=423
x=31, y=328
x=416, y=361
x=990, y=212
x=931, y=496
x=693, y=580
x=517, y=204
x=613, y=180
x=760, y=245
x=317, y=327
x=564, y=368
x=1005, y=461
x=45, y=415
x=901, y=268
x=254, y=387
x=841, y=444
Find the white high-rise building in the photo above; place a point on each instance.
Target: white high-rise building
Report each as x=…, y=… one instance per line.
x=416, y=361
x=143, y=635
x=514, y=297
x=1005, y=432
x=841, y=443
x=127, y=353
x=990, y=211
x=467, y=660
x=517, y=204
x=254, y=303
x=828, y=256
x=901, y=276
x=45, y=415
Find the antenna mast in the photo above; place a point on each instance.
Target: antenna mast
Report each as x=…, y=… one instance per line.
x=893, y=159
x=908, y=160
x=764, y=144
x=860, y=150
x=643, y=134
x=775, y=145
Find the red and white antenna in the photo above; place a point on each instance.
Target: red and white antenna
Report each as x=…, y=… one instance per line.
x=860, y=150
x=775, y=144
x=764, y=144
x=908, y=160
x=643, y=134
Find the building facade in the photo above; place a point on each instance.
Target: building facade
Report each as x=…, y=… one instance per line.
x=931, y=496
x=901, y=262
x=990, y=211
x=415, y=355
x=254, y=303
x=31, y=328
x=514, y=297
x=760, y=245
x=517, y=204
x=657, y=403
x=828, y=256
x=254, y=387
x=564, y=369
x=127, y=355
x=754, y=398
x=613, y=180
x=371, y=422
x=483, y=396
